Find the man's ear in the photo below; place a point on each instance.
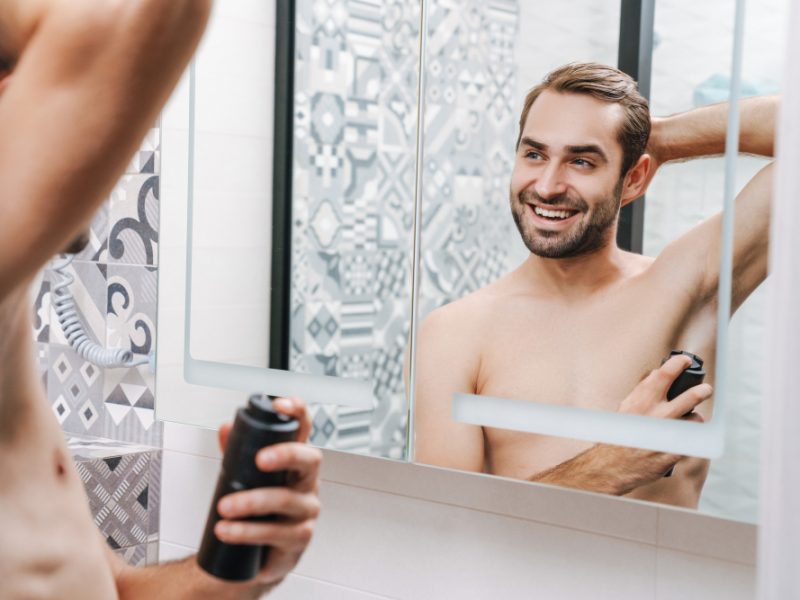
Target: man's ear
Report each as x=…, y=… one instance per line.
x=637, y=179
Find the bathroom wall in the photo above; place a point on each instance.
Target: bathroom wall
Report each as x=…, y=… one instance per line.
x=391, y=530
x=108, y=414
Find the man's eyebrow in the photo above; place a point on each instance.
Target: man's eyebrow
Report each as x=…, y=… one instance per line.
x=588, y=149
x=526, y=141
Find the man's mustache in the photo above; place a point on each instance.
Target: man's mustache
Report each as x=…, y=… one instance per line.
x=562, y=200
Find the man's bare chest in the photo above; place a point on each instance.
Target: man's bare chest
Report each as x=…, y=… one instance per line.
x=587, y=355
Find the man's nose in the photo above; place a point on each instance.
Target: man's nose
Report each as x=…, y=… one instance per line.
x=550, y=182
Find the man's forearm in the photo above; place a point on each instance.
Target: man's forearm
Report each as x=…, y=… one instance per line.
x=182, y=579
x=701, y=132
x=608, y=469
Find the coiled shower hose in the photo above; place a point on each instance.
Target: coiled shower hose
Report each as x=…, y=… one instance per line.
x=67, y=313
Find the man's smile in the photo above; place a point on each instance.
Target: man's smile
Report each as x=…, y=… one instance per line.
x=552, y=218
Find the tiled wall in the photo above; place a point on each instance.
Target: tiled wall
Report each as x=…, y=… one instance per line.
x=115, y=293
x=108, y=414
x=352, y=211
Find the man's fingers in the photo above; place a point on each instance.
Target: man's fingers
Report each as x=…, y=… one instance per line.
x=687, y=401
x=301, y=459
x=295, y=407
x=666, y=374
x=281, y=501
x=284, y=535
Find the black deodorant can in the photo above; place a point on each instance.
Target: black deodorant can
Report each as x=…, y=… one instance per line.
x=691, y=376
x=256, y=425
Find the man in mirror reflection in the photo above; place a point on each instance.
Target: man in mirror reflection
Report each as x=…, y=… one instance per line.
x=81, y=83
x=582, y=322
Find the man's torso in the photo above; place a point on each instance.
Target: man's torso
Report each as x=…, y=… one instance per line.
x=50, y=546
x=589, y=352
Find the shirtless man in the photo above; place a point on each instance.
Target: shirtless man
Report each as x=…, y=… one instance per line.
x=581, y=322
x=81, y=83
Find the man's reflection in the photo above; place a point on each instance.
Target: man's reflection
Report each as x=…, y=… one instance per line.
x=582, y=322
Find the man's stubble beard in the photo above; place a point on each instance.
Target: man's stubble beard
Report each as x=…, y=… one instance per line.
x=583, y=238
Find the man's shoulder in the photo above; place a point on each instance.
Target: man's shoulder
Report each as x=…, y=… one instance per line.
x=469, y=314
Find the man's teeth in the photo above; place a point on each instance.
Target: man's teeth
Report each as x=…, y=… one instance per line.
x=553, y=214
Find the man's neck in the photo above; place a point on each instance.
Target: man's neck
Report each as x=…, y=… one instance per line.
x=579, y=275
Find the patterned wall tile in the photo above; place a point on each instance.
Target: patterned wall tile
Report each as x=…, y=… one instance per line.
x=129, y=406
x=154, y=497
x=75, y=391
x=43, y=361
x=355, y=73
x=97, y=249
x=88, y=289
x=41, y=308
x=115, y=303
x=118, y=488
x=131, y=308
x=135, y=556
x=133, y=210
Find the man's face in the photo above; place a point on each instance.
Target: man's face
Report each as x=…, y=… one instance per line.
x=566, y=184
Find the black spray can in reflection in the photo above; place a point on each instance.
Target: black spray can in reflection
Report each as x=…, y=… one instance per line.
x=691, y=376
x=257, y=425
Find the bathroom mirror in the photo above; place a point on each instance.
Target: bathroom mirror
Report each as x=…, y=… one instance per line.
x=301, y=136
x=470, y=380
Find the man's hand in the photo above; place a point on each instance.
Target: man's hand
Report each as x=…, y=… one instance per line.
x=296, y=506
x=616, y=469
x=649, y=397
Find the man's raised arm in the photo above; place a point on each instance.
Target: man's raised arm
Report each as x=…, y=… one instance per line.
x=87, y=79
x=701, y=132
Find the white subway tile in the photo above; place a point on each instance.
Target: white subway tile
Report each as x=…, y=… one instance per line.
x=687, y=531
x=187, y=485
x=297, y=587
x=409, y=548
x=682, y=576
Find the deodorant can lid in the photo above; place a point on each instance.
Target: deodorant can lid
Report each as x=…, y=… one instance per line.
x=260, y=407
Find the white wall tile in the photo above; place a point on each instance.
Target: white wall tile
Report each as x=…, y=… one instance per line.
x=691, y=532
x=408, y=548
x=168, y=552
x=605, y=515
x=235, y=77
x=187, y=486
x=191, y=440
x=297, y=587
x=682, y=576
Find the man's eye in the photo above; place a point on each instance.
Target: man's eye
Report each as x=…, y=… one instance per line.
x=533, y=155
x=582, y=162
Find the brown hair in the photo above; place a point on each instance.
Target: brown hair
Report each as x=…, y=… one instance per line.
x=607, y=84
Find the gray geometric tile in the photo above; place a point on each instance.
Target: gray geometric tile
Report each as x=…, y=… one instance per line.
x=41, y=308
x=134, y=556
x=75, y=391
x=118, y=496
x=129, y=402
x=131, y=308
x=148, y=158
x=43, y=361
x=97, y=248
x=88, y=291
x=323, y=426
x=133, y=234
x=154, y=497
